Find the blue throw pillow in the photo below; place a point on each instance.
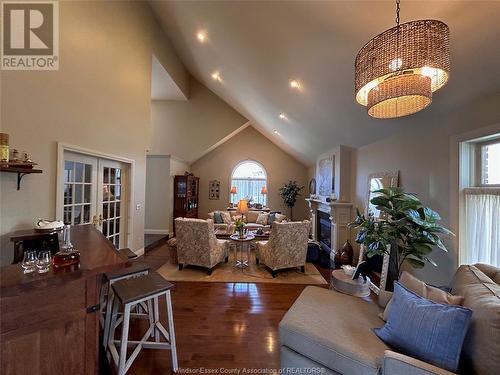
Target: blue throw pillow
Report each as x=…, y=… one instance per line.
x=429, y=331
x=271, y=218
x=218, y=218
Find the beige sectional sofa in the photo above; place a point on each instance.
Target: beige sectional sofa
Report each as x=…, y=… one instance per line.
x=332, y=332
x=250, y=219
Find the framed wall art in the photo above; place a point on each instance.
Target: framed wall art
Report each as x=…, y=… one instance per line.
x=214, y=190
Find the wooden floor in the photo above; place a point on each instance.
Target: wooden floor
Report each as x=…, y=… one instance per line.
x=220, y=325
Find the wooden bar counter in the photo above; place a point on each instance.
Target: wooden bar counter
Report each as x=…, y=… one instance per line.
x=49, y=323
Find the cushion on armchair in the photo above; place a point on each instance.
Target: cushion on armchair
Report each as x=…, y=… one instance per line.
x=218, y=218
x=429, y=331
x=263, y=218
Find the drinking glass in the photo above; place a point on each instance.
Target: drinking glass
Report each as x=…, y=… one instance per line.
x=29, y=260
x=44, y=261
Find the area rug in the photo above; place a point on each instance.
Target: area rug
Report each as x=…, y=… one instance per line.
x=228, y=273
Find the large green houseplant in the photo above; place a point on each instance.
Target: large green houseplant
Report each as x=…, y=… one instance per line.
x=289, y=193
x=405, y=228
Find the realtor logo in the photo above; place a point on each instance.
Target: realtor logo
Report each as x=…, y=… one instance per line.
x=30, y=35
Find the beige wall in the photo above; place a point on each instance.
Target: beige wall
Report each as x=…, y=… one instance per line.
x=99, y=99
x=187, y=129
x=422, y=156
x=157, y=193
x=250, y=144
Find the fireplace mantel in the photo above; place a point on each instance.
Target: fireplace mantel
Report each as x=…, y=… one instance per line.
x=340, y=216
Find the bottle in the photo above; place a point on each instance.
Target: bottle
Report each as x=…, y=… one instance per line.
x=4, y=148
x=68, y=254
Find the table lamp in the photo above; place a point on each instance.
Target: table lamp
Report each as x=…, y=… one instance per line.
x=233, y=193
x=263, y=191
x=242, y=208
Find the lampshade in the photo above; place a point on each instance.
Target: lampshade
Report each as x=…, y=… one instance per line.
x=233, y=190
x=263, y=191
x=391, y=70
x=243, y=206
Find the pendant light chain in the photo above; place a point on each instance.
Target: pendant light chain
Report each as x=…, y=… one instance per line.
x=397, y=12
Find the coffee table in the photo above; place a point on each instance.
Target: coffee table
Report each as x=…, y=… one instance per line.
x=240, y=244
x=223, y=234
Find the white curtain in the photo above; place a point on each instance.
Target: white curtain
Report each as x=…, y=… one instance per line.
x=482, y=227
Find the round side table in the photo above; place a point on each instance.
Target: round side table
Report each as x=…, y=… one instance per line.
x=240, y=244
x=345, y=284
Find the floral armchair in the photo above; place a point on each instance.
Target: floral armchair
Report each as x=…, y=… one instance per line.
x=197, y=244
x=287, y=246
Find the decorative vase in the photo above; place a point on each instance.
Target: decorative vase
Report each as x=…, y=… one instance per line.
x=346, y=254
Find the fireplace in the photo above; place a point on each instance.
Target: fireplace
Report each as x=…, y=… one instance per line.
x=324, y=226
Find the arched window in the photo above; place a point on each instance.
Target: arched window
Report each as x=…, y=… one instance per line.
x=249, y=178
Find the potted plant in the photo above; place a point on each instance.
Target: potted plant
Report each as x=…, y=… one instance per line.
x=289, y=193
x=240, y=227
x=406, y=229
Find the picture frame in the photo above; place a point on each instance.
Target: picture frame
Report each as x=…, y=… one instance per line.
x=214, y=190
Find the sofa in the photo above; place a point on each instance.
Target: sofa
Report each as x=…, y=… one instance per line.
x=286, y=248
x=332, y=332
x=250, y=220
x=197, y=244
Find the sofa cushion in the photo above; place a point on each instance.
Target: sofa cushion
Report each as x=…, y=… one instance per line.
x=251, y=216
x=278, y=218
x=226, y=217
x=262, y=218
x=482, y=343
x=492, y=272
x=334, y=330
x=218, y=218
x=429, y=331
x=420, y=288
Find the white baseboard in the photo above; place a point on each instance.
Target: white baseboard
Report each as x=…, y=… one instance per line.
x=139, y=252
x=155, y=231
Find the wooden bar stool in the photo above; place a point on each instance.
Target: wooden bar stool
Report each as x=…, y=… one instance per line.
x=128, y=293
x=106, y=296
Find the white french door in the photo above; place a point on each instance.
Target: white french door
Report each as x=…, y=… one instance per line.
x=95, y=191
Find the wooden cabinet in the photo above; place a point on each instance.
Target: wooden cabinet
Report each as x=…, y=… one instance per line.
x=186, y=191
x=50, y=323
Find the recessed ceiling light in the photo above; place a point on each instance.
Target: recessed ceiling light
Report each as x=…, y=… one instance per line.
x=294, y=84
x=201, y=36
x=216, y=76
x=276, y=132
x=282, y=116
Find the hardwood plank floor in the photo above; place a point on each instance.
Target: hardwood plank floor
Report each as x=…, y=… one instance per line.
x=220, y=325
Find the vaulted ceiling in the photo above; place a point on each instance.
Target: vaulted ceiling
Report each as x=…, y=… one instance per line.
x=258, y=47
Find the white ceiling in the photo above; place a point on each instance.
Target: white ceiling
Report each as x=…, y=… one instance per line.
x=163, y=86
x=259, y=46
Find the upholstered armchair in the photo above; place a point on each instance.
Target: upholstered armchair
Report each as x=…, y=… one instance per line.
x=286, y=248
x=197, y=244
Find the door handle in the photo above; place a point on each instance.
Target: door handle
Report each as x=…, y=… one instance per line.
x=97, y=220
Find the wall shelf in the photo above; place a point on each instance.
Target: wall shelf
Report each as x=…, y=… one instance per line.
x=21, y=172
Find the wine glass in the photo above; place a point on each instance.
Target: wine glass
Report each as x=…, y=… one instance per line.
x=43, y=262
x=29, y=260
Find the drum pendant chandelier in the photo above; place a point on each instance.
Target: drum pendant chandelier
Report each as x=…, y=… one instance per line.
x=398, y=70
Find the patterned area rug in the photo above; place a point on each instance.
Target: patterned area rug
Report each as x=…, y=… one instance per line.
x=227, y=272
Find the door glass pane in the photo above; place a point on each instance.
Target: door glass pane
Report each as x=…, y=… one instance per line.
x=117, y=226
x=78, y=193
x=118, y=192
x=117, y=211
x=118, y=176
x=86, y=214
x=78, y=172
x=112, y=175
x=78, y=215
x=106, y=176
x=105, y=228
x=111, y=229
x=68, y=194
x=88, y=173
x=68, y=171
x=112, y=196
x=111, y=210
x=117, y=241
x=86, y=197
x=105, y=193
x=67, y=215
x=105, y=211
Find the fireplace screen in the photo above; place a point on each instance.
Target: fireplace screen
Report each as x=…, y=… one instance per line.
x=325, y=230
